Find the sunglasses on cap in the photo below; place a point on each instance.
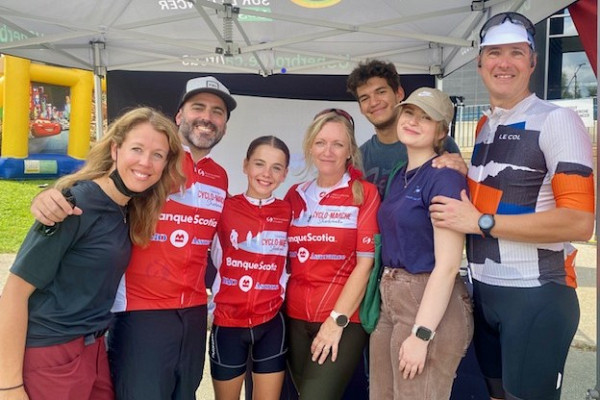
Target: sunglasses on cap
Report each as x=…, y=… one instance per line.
x=337, y=111
x=513, y=17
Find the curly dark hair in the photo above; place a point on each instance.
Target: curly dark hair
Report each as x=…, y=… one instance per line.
x=369, y=69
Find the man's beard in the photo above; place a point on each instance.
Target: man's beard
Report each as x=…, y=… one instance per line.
x=201, y=141
x=387, y=123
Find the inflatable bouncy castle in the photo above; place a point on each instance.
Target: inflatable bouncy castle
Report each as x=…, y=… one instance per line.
x=46, y=114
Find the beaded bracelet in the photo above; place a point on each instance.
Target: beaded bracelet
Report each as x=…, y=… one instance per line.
x=11, y=388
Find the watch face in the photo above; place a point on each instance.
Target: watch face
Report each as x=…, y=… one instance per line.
x=423, y=333
x=341, y=320
x=486, y=221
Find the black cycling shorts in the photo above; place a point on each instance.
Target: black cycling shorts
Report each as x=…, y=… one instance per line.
x=229, y=349
x=522, y=338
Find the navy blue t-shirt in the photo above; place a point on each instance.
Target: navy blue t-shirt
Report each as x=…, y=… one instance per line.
x=380, y=159
x=404, y=222
x=76, y=271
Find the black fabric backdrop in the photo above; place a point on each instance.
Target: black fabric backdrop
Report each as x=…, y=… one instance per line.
x=163, y=90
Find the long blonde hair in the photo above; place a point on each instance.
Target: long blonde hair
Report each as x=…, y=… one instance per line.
x=144, y=210
x=355, y=159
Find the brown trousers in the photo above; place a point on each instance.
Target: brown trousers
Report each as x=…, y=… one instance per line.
x=401, y=294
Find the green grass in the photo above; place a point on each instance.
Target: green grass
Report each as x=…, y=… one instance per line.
x=15, y=218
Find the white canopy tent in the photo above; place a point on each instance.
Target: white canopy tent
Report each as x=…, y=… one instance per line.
x=253, y=36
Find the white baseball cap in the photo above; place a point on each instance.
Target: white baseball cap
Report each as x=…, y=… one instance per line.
x=507, y=28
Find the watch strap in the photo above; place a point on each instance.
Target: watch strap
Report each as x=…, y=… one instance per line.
x=336, y=316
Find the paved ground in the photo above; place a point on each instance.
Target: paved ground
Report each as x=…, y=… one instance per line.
x=580, y=373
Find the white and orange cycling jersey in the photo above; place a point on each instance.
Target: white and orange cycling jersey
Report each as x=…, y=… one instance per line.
x=169, y=272
x=324, y=243
x=532, y=158
x=250, y=252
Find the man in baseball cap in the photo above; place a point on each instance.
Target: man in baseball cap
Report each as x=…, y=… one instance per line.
x=203, y=113
x=532, y=192
x=162, y=304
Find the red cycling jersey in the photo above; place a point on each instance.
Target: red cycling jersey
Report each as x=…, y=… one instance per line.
x=169, y=273
x=249, y=252
x=324, y=244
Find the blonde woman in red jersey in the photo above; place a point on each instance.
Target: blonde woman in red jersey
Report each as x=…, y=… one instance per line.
x=331, y=255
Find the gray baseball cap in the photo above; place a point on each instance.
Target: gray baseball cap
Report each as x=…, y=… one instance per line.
x=208, y=84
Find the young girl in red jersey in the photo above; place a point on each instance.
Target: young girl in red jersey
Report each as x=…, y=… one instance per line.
x=249, y=252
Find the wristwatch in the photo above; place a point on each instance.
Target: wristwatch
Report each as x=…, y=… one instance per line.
x=486, y=223
x=423, y=333
x=340, y=319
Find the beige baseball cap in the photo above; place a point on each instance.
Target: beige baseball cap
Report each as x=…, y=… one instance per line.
x=434, y=102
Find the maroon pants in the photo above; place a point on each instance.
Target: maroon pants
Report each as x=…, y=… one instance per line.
x=69, y=371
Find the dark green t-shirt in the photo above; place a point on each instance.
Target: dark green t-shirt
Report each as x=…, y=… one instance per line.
x=76, y=271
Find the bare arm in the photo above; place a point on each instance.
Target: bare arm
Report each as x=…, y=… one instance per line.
x=13, y=330
x=448, y=246
x=50, y=207
x=347, y=303
x=556, y=225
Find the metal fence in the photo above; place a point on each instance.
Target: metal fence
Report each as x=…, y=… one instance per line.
x=466, y=122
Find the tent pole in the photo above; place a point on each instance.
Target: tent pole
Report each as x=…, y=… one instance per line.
x=595, y=393
x=98, y=105
x=597, y=389
x=99, y=72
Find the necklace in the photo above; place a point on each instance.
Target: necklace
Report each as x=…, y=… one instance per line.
x=407, y=181
x=412, y=178
x=107, y=189
x=123, y=210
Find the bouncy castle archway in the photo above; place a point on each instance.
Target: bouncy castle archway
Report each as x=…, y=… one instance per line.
x=16, y=160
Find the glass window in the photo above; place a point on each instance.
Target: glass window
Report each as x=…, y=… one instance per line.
x=570, y=74
x=577, y=79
